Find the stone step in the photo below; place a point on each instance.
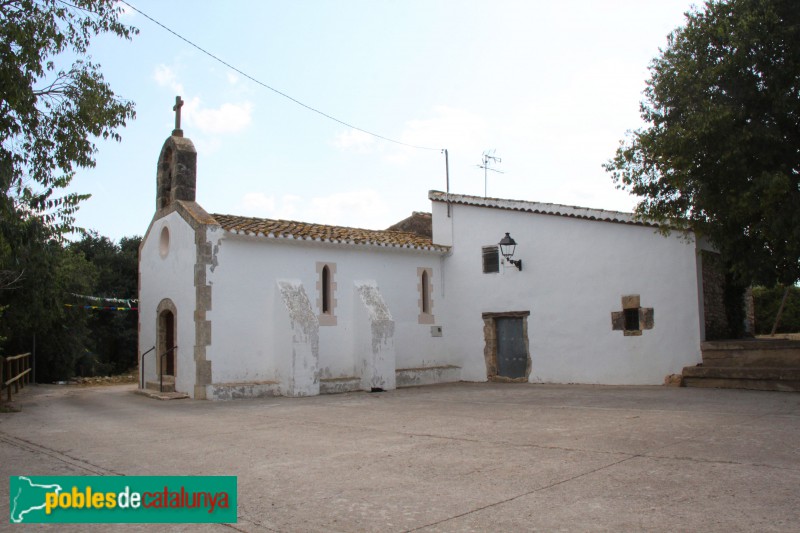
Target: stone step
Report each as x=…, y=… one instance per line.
x=752, y=353
x=750, y=344
x=771, y=358
x=737, y=377
x=168, y=384
x=162, y=395
x=751, y=384
x=755, y=373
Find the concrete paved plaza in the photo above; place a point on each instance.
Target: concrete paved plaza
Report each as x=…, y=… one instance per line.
x=459, y=457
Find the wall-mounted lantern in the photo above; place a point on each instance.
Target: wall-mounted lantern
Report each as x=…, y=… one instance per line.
x=507, y=247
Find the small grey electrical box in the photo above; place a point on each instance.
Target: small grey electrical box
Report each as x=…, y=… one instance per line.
x=436, y=331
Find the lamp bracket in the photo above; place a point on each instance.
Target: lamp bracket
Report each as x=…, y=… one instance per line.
x=516, y=262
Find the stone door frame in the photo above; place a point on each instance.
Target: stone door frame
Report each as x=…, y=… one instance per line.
x=490, y=344
x=166, y=306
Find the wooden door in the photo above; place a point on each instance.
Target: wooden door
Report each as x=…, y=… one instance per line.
x=512, y=355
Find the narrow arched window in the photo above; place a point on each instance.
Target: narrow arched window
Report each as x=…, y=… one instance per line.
x=326, y=290
x=426, y=293
x=326, y=293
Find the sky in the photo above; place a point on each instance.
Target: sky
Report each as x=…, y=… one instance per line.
x=551, y=87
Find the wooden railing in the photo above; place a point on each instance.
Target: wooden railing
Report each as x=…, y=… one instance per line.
x=15, y=371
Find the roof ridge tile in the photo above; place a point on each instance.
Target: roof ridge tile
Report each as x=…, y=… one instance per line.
x=292, y=229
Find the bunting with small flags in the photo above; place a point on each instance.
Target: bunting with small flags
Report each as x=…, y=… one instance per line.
x=102, y=308
x=131, y=304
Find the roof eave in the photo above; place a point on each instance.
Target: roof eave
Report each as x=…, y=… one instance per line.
x=568, y=211
x=437, y=249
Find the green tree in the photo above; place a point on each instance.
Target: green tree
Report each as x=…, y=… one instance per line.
x=111, y=346
x=49, y=116
x=54, y=106
x=721, y=150
x=50, y=305
x=768, y=301
x=36, y=309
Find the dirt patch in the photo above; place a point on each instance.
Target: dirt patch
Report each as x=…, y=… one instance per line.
x=104, y=380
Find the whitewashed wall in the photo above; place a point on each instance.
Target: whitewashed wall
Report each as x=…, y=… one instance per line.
x=170, y=276
x=574, y=274
x=243, y=294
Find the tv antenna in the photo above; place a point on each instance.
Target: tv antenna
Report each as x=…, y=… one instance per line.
x=488, y=156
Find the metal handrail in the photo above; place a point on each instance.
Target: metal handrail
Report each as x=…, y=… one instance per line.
x=161, y=377
x=141, y=364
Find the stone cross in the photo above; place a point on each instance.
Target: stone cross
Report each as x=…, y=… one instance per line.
x=177, y=108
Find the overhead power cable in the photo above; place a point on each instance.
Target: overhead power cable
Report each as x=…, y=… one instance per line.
x=276, y=91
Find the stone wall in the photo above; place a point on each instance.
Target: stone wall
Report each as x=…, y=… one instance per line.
x=728, y=307
x=716, y=319
x=750, y=313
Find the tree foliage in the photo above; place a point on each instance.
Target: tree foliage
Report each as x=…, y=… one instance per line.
x=50, y=117
x=768, y=301
x=49, y=306
x=112, y=346
x=54, y=106
x=721, y=150
x=35, y=311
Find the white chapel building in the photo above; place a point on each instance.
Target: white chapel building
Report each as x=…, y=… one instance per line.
x=233, y=306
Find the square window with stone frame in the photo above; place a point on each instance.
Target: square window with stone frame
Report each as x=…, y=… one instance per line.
x=633, y=319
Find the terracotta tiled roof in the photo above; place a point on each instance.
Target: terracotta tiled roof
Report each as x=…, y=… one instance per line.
x=289, y=229
x=419, y=223
x=541, y=208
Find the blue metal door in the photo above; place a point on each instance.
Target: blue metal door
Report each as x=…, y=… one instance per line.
x=512, y=356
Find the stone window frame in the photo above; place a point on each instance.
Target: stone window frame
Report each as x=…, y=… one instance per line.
x=425, y=311
x=622, y=321
x=490, y=345
x=326, y=317
x=494, y=266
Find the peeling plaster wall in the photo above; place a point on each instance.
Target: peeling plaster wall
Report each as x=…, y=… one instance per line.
x=374, y=337
x=296, y=340
x=245, y=320
x=574, y=274
x=170, y=276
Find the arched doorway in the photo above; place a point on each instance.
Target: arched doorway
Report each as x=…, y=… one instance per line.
x=167, y=336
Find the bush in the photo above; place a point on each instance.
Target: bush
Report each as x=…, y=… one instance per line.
x=767, y=302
